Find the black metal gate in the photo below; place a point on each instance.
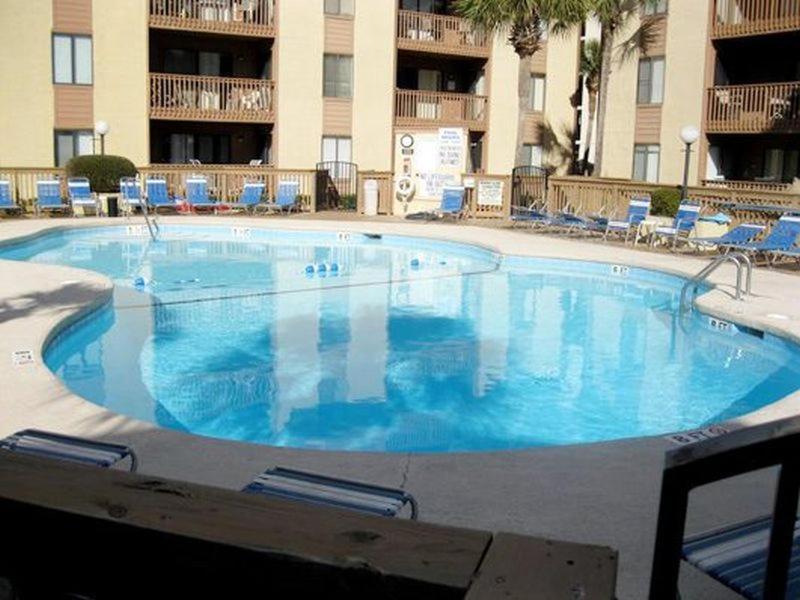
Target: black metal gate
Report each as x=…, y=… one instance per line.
x=337, y=185
x=528, y=186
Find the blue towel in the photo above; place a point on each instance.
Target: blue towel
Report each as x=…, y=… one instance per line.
x=719, y=218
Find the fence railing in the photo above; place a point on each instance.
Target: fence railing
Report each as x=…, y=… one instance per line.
x=417, y=107
x=385, y=181
x=763, y=186
x=489, y=197
x=204, y=98
x=240, y=17
x=440, y=33
x=757, y=108
x=734, y=18
x=23, y=183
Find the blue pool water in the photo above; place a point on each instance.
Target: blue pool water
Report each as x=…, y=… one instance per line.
x=400, y=344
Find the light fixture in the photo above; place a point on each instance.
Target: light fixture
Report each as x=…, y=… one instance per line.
x=101, y=128
x=689, y=135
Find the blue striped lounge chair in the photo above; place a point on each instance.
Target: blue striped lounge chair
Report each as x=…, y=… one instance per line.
x=452, y=203
x=340, y=493
x=197, y=195
x=286, y=200
x=741, y=234
x=130, y=191
x=45, y=444
x=250, y=197
x=683, y=225
x=158, y=195
x=781, y=239
x=7, y=204
x=48, y=196
x=80, y=195
x=638, y=211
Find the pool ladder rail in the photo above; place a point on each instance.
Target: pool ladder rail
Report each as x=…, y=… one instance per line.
x=152, y=226
x=744, y=278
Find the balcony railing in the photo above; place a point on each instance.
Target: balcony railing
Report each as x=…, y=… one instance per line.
x=427, y=32
x=760, y=186
x=417, y=107
x=203, y=98
x=235, y=17
x=739, y=18
x=760, y=108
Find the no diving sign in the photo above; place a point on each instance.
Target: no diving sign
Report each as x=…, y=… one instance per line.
x=20, y=358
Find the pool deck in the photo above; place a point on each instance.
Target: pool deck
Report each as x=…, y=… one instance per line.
x=603, y=493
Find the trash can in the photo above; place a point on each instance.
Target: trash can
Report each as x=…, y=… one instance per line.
x=112, y=205
x=371, y=197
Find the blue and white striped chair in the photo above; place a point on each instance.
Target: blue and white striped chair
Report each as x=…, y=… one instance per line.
x=7, y=203
x=250, y=197
x=340, y=493
x=452, y=204
x=287, y=198
x=45, y=444
x=683, y=225
x=741, y=234
x=158, y=195
x=638, y=211
x=80, y=195
x=48, y=196
x=197, y=194
x=130, y=191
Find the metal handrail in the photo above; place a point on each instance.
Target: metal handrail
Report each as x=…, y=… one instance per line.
x=153, y=227
x=744, y=270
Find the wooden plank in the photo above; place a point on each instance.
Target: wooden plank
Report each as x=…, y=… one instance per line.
x=74, y=106
x=516, y=566
x=339, y=35
x=72, y=16
x=84, y=526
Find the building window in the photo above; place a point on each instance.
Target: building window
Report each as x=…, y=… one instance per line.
x=339, y=7
x=72, y=143
x=72, y=59
x=533, y=155
x=336, y=149
x=536, y=99
x=646, y=159
x=655, y=7
x=781, y=165
x=651, y=81
x=207, y=148
x=338, y=76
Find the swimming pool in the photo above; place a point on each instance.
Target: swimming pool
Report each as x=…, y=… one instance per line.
x=344, y=341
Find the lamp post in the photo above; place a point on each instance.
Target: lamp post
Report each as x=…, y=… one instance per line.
x=689, y=135
x=101, y=128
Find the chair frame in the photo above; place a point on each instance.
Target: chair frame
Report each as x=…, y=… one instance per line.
x=744, y=451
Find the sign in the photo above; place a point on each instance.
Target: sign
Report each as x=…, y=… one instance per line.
x=451, y=147
x=20, y=358
x=697, y=435
x=432, y=184
x=490, y=192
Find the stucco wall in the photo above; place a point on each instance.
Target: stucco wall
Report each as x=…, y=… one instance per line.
x=502, y=134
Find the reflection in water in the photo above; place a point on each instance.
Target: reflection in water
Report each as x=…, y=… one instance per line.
x=237, y=340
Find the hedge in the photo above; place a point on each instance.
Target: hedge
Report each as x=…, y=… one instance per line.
x=103, y=171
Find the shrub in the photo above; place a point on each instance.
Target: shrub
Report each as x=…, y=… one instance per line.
x=103, y=171
x=665, y=202
x=349, y=202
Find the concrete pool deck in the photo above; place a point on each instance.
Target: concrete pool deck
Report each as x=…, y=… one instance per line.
x=603, y=493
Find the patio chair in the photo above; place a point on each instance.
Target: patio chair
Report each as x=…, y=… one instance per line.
x=683, y=225
x=781, y=239
x=197, y=195
x=7, y=204
x=80, y=195
x=131, y=194
x=638, y=211
x=48, y=196
x=452, y=204
x=759, y=558
x=158, y=195
x=45, y=444
x=341, y=493
x=534, y=214
x=287, y=198
x=250, y=197
x=741, y=234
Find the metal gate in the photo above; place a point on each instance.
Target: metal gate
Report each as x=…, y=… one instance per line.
x=528, y=186
x=337, y=185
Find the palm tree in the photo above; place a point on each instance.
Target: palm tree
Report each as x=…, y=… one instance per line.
x=591, y=63
x=524, y=22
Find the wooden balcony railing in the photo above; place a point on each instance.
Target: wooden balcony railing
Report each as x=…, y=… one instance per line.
x=760, y=108
x=739, y=18
x=235, y=17
x=427, y=32
x=203, y=98
x=757, y=186
x=417, y=107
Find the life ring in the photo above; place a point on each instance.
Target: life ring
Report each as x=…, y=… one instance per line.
x=405, y=188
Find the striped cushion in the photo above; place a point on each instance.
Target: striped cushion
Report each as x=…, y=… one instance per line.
x=65, y=448
x=317, y=489
x=736, y=556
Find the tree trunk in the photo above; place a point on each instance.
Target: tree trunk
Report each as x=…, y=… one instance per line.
x=589, y=132
x=607, y=45
x=524, y=91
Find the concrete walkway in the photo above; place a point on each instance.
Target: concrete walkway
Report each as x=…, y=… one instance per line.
x=602, y=493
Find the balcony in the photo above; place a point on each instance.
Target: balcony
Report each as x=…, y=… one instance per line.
x=233, y=17
x=202, y=98
x=421, y=108
x=440, y=34
x=741, y=18
x=759, y=108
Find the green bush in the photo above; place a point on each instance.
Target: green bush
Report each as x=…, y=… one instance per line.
x=665, y=202
x=103, y=172
x=349, y=202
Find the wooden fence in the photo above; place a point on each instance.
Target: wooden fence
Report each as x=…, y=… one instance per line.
x=489, y=197
x=385, y=190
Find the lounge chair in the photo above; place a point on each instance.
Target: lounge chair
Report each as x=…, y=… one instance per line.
x=250, y=197
x=782, y=238
x=638, y=211
x=197, y=195
x=7, y=203
x=452, y=204
x=341, y=493
x=534, y=214
x=286, y=199
x=80, y=195
x=64, y=447
x=48, y=196
x=741, y=234
x=158, y=195
x=683, y=225
x=757, y=558
x=130, y=191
